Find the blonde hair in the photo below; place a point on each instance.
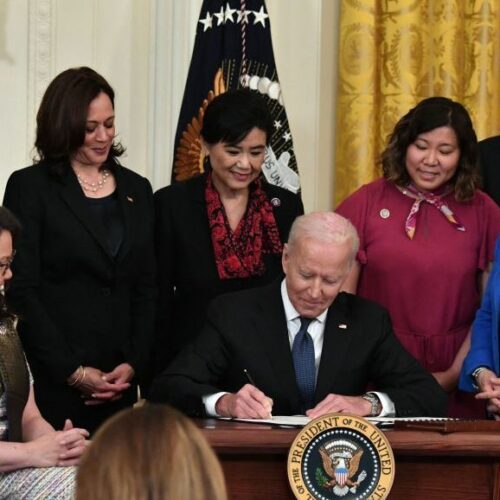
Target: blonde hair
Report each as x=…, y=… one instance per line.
x=150, y=453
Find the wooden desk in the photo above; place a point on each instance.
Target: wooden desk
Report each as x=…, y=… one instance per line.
x=429, y=465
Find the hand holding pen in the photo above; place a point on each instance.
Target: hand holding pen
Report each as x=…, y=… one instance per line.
x=248, y=402
x=269, y=400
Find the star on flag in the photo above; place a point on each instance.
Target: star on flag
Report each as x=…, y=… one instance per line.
x=243, y=16
x=260, y=17
x=207, y=22
x=226, y=15
x=220, y=16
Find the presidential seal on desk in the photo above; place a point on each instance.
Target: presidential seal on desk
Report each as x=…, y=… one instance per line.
x=340, y=456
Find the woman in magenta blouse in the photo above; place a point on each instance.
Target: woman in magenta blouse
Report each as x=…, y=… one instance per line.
x=427, y=239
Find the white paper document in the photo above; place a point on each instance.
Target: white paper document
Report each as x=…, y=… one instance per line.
x=301, y=420
x=294, y=420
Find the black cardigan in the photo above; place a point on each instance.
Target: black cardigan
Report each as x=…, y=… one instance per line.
x=187, y=273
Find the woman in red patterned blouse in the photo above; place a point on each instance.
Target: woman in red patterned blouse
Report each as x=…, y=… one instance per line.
x=222, y=231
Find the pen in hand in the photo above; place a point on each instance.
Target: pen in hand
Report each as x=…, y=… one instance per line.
x=251, y=381
x=249, y=377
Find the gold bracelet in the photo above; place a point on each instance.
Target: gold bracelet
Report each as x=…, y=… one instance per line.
x=83, y=375
x=78, y=377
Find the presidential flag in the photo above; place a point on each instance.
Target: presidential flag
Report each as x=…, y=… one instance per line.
x=233, y=49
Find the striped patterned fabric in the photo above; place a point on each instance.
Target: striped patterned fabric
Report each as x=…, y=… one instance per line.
x=49, y=483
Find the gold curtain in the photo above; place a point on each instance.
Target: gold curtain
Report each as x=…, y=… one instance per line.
x=392, y=54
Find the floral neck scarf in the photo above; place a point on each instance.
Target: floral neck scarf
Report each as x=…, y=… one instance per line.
x=435, y=199
x=239, y=254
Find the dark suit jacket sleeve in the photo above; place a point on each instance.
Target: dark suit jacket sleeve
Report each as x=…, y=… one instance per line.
x=53, y=350
x=137, y=350
x=196, y=370
x=489, y=162
x=165, y=247
x=394, y=371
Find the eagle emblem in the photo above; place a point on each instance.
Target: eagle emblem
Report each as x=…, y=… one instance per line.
x=189, y=156
x=341, y=459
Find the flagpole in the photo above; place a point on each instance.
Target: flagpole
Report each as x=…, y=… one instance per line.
x=243, y=5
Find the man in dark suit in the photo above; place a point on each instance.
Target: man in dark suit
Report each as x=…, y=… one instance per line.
x=489, y=160
x=305, y=346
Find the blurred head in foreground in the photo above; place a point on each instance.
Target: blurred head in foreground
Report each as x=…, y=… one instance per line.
x=150, y=453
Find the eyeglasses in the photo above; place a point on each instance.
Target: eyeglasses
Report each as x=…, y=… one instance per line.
x=5, y=266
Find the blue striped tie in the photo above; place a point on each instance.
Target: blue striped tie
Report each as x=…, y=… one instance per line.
x=303, y=362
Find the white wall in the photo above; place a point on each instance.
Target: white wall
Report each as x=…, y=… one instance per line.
x=304, y=39
x=144, y=48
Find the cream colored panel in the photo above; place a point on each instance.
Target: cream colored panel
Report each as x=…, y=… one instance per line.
x=14, y=140
x=327, y=98
x=305, y=72
x=124, y=54
x=172, y=44
x=40, y=58
x=74, y=33
x=112, y=36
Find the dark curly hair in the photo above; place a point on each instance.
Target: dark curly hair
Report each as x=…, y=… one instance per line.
x=62, y=117
x=427, y=115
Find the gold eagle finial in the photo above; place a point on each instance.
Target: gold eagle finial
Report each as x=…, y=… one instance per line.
x=189, y=155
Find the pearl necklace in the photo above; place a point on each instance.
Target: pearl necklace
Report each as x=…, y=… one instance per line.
x=93, y=187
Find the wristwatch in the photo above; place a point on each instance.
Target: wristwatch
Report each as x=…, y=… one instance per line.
x=475, y=375
x=375, y=402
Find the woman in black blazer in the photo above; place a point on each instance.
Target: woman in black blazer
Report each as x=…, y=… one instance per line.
x=84, y=285
x=222, y=231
